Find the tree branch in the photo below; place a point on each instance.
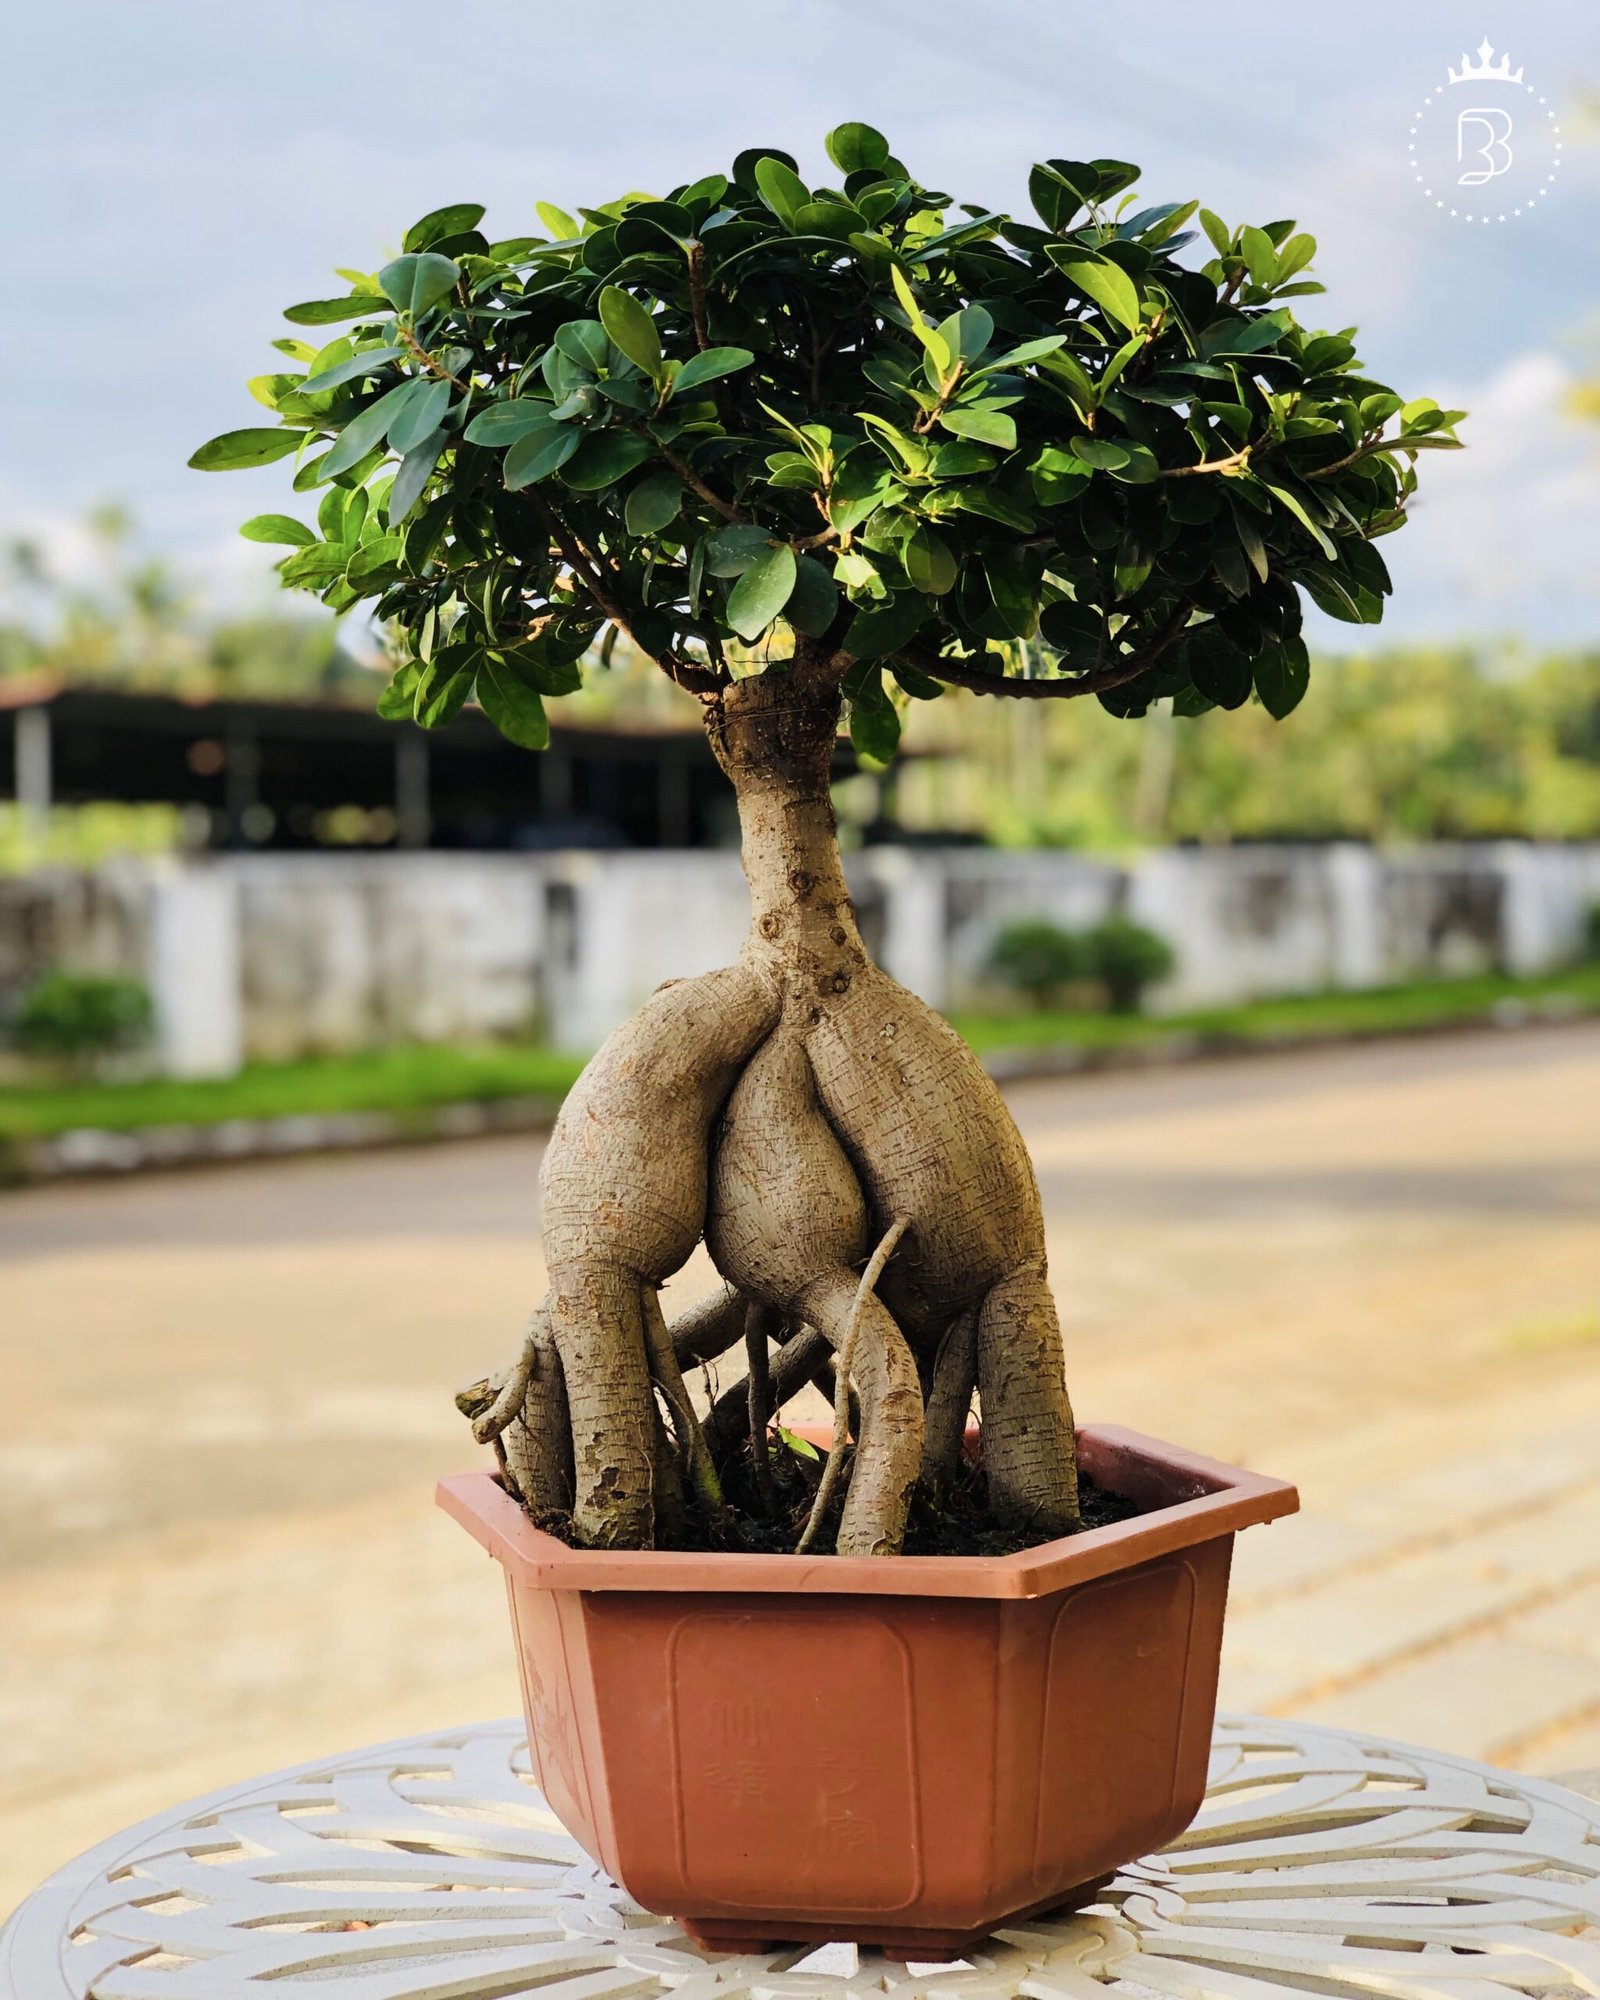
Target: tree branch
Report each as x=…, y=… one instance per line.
x=1100, y=680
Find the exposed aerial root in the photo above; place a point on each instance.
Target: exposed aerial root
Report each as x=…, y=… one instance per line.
x=789, y=1370
x=524, y=1414
x=1028, y=1441
x=710, y=1326
x=668, y=1378
x=944, y=1424
x=844, y=1362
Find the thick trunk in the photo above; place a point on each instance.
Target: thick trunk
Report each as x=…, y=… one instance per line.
x=774, y=737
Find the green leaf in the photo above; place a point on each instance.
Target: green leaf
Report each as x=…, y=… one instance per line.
x=511, y=705
x=798, y=1445
x=781, y=188
x=235, y=450
x=1297, y=507
x=982, y=426
x=603, y=458
x=583, y=341
x=1260, y=258
x=966, y=333
x=1102, y=453
x=561, y=226
x=1097, y=278
x=369, y=427
x=653, y=503
x=399, y=697
x=814, y=601
x=1055, y=200
x=632, y=328
x=885, y=628
x=1294, y=256
x=1014, y=592
x=317, y=565
x=853, y=147
x=1282, y=675
x=374, y=561
x=278, y=528
x=324, y=312
x=415, y=469
x=936, y=344
x=929, y=561
x=1220, y=234
x=415, y=282
x=422, y=415
x=441, y=222
x=1217, y=667
x=356, y=369
x=708, y=366
x=874, y=721
x=731, y=550
x=548, y=676
x=538, y=453
x=444, y=684
x=764, y=589
x=503, y=423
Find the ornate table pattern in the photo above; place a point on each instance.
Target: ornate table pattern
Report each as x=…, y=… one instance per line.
x=1323, y=1863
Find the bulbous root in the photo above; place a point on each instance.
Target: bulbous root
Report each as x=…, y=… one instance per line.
x=793, y=1138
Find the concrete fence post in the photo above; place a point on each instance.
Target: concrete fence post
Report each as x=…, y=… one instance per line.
x=194, y=970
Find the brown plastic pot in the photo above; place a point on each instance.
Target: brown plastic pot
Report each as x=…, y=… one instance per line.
x=904, y=1751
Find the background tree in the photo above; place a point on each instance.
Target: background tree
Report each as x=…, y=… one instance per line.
x=812, y=448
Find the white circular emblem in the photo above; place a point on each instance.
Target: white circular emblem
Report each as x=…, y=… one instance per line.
x=1485, y=145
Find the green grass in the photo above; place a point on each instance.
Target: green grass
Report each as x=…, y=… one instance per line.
x=1434, y=1003
x=412, y=1079
x=394, y=1080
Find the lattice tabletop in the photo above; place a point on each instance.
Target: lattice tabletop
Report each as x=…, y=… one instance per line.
x=1322, y=1863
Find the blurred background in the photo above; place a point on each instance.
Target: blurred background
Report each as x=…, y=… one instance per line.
x=1298, y=1018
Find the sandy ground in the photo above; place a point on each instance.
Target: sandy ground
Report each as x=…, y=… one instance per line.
x=227, y=1397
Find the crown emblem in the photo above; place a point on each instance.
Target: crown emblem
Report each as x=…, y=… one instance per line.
x=1482, y=71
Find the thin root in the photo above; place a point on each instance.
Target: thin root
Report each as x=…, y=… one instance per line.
x=833, y=1471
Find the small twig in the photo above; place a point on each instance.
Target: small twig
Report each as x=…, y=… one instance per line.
x=689, y=476
x=696, y=252
x=834, y=1469
x=1239, y=457
x=434, y=366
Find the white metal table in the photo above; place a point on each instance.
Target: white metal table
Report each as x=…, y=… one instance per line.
x=1323, y=1863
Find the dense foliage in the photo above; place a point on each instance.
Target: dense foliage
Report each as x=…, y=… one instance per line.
x=76, y=1017
x=914, y=430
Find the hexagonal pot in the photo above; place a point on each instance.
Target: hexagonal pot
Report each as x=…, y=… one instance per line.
x=905, y=1751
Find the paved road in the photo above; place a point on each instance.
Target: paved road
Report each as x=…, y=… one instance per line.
x=1373, y=1270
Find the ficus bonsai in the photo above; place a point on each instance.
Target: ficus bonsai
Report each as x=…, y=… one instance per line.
x=821, y=452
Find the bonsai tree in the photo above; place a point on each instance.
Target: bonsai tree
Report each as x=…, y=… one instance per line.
x=821, y=452
x=1126, y=958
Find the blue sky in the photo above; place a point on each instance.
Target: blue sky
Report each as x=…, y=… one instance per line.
x=179, y=172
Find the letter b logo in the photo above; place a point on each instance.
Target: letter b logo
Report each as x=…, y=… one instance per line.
x=1485, y=133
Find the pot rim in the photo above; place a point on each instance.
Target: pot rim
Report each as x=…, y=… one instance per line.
x=1190, y=1499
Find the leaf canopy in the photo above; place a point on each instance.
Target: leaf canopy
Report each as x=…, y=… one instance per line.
x=1082, y=451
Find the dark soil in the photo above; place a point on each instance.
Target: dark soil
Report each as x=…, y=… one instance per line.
x=959, y=1525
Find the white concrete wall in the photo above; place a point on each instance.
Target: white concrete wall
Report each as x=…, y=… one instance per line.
x=281, y=955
